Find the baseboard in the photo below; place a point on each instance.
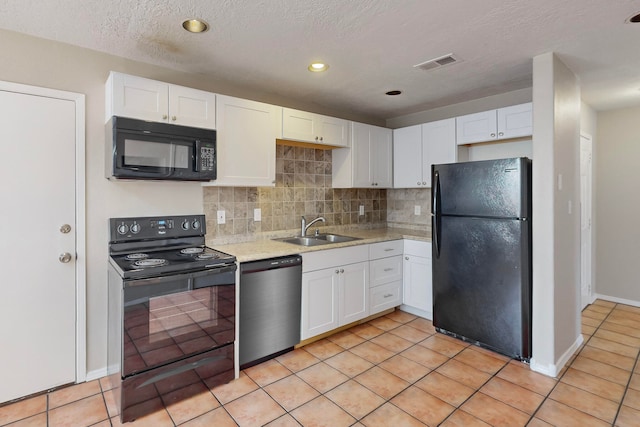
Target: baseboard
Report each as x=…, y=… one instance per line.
x=617, y=300
x=552, y=370
x=98, y=373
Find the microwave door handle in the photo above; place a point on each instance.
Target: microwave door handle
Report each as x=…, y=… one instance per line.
x=196, y=155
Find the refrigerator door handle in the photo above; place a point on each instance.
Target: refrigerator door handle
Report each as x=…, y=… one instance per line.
x=436, y=213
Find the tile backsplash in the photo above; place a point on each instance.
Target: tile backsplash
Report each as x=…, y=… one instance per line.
x=303, y=187
x=401, y=205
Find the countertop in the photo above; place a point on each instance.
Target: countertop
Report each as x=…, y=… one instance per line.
x=267, y=248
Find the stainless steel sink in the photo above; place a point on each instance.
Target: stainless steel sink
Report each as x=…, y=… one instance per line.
x=304, y=241
x=335, y=238
x=321, y=239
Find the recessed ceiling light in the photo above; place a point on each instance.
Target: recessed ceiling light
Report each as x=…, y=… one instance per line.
x=634, y=19
x=318, y=67
x=195, y=26
x=394, y=92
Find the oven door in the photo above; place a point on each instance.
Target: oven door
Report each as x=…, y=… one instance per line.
x=173, y=317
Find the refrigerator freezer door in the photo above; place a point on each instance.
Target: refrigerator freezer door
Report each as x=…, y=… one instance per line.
x=481, y=283
x=491, y=188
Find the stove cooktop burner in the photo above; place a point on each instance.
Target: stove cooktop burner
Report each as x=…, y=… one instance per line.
x=207, y=256
x=136, y=256
x=190, y=251
x=150, y=262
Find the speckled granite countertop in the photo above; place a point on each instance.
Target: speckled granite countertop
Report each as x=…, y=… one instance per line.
x=267, y=248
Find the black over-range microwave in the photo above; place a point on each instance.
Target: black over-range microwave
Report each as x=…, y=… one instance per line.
x=138, y=149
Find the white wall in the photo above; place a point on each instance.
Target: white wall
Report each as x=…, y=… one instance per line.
x=556, y=219
x=39, y=62
x=617, y=205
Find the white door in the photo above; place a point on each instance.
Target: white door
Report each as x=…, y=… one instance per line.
x=38, y=290
x=585, y=218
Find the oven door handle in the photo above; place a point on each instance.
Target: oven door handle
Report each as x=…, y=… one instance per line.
x=189, y=276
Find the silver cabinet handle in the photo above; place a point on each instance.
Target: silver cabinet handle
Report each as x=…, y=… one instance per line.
x=65, y=228
x=320, y=139
x=424, y=182
x=65, y=257
x=388, y=249
x=388, y=269
x=407, y=258
x=500, y=133
x=418, y=182
x=174, y=118
x=164, y=117
x=493, y=135
x=337, y=271
x=388, y=295
x=342, y=270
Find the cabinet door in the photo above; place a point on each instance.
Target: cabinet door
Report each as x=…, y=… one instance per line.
x=192, y=107
x=515, y=121
x=138, y=98
x=381, y=157
x=407, y=157
x=476, y=127
x=333, y=131
x=319, y=302
x=361, y=160
x=417, y=283
x=246, y=144
x=299, y=125
x=438, y=146
x=354, y=292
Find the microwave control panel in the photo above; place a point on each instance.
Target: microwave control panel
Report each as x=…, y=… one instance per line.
x=207, y=158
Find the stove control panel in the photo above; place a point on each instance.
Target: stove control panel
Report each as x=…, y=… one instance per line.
x=138, y=228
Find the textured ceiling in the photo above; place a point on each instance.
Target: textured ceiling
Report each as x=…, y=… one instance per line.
x=371, y=46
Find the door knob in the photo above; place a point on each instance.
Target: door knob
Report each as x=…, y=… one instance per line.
x=65, y=257
x=65, y=228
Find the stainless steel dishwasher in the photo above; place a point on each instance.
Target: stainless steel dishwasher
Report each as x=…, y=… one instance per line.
x=270, y=304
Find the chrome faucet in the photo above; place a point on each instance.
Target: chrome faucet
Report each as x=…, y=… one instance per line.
x=304, y=226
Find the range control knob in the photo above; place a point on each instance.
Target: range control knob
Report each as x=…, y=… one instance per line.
x=123, y=229
x=185, y=225
x=135, y=228
x=195, y=224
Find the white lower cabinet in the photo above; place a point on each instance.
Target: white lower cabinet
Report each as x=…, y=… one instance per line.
x=335, y=289
x=417, y=278
x=385, y=267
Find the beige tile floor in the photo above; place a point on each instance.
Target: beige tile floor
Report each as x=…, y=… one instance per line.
x=393, y=371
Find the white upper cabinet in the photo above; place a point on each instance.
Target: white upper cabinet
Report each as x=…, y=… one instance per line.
x=246, y=142
x=416, y=148
x=314, y=128
x=146, y=99
x=503, y=123
x=368, y=163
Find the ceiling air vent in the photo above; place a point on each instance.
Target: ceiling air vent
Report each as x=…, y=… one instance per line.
x=437, y=62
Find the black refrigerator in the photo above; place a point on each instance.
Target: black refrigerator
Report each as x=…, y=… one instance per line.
x=481, y=241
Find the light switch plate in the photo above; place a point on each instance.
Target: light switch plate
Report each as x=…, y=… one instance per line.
x=220, y=215
x=416, y=210
x=361, y=210
x=257, y=214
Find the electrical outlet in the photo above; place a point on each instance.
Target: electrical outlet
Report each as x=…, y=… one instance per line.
x=416, y=210
x=221, y=217
x=361, y=210
x=257, y=214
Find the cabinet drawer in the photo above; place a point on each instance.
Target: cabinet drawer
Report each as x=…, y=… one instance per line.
x=385, y=296
x=385, y=270
x=312, y=261
x=417, y=248
x=385, y=249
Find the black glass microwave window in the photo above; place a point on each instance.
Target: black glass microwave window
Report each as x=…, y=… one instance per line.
x=150, y=154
